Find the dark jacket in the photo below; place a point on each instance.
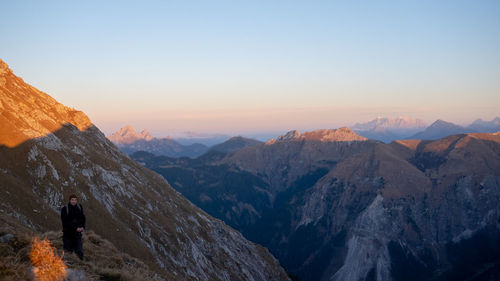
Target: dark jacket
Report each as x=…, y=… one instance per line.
x=72, y=217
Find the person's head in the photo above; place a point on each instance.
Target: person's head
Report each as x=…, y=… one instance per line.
x=73, y=199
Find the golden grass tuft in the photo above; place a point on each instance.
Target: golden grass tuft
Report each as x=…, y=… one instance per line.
x=48, y=265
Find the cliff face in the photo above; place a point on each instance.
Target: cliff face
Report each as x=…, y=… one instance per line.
x=358, y=210
x=49, y=151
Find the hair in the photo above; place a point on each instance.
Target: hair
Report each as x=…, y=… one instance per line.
x=72, y=196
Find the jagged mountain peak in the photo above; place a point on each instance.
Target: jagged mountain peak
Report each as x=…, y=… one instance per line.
x=128, y=134
x=128, y=129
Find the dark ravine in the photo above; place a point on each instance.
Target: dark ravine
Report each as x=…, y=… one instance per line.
x=354, y=209
x=48, y=151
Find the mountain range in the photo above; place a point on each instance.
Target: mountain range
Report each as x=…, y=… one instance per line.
x=129, y=141
x=330, y=204
x=387, y=129
x=333, y=205
x=382, y=129
x=480, y=125
x=49, y=151
x=207, y=139
x=440, y=129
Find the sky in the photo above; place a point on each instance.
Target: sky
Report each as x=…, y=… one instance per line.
x=252, y=67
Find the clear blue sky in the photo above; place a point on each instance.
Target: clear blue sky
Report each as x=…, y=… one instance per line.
x=255, y=66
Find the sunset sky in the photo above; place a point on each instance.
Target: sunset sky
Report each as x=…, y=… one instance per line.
x=243, y=67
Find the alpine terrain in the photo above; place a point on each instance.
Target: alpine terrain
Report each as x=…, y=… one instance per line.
x=48, y=151
x=332, y=205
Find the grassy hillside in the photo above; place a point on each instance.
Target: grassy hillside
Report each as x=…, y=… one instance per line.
x=102, y=259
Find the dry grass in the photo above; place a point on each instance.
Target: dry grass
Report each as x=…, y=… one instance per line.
x=14, y=259
x=27, y=258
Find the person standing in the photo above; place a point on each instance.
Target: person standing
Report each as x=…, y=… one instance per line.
x=73, y=222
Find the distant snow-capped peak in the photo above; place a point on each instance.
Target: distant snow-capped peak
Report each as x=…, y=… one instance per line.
x=394, y=124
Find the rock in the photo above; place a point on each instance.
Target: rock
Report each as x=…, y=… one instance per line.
x=76, y=275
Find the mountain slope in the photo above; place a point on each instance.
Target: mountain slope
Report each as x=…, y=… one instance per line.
x=129, y=141
x=358, y=210
x=103, y=260
x=49, y=151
